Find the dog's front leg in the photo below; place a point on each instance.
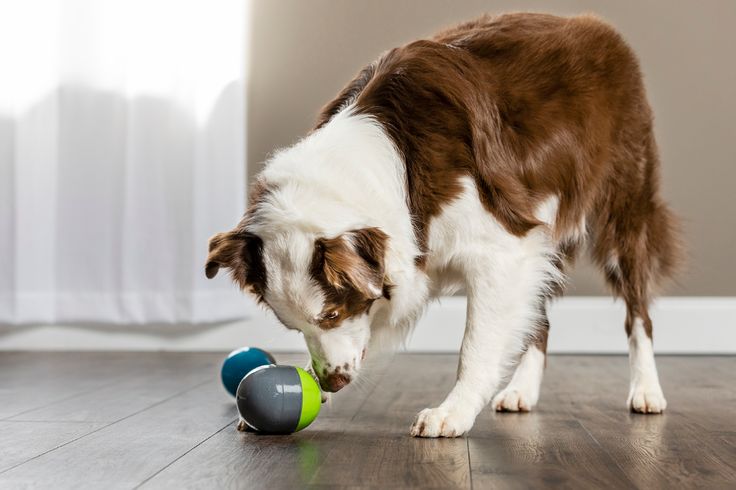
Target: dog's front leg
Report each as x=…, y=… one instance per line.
x=500, y=314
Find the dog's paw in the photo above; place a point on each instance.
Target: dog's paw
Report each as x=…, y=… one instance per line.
x=440, y=422
x=646, y=398
x=514, y=399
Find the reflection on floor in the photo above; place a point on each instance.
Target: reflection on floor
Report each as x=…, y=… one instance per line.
x=119, y=420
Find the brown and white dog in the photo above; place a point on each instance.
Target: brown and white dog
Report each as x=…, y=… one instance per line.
x=482, y=158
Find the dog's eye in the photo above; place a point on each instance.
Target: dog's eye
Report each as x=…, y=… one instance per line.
x=332, y=315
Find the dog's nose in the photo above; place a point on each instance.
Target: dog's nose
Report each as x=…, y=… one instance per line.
x=335, y=382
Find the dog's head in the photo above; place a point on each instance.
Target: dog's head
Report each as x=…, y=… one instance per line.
x=325, y=287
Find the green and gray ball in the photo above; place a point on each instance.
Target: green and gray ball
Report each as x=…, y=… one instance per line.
x=278, y=399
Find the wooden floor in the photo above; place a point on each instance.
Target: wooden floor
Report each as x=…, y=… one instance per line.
x=125, y=420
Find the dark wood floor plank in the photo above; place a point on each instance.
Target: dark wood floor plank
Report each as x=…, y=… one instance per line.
x=695, y=383
x=232, y=459
x=376, y=449
x=391, y=458
x=32, y=380
x=124, y=454
x=118, y=384
x=349, y=443
x=537, y=450
x=142, y=383
x=22, y=441
x=116, y=420
x=658, y=451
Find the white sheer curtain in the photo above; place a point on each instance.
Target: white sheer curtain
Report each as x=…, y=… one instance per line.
x=122, y=127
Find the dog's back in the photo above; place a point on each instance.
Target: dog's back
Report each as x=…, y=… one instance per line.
x=532, y=105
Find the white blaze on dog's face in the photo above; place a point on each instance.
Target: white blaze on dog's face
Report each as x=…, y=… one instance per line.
x=323, y=287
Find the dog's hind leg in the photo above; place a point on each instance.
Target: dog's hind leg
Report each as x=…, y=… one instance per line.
x=628, y=278
x=637, y=245
x=522, y=392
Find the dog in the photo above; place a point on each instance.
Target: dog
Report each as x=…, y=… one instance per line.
x=483, y=159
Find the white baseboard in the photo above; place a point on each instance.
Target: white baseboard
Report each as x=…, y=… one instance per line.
x=682, y=325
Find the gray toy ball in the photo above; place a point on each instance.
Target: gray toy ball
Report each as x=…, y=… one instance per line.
x=278, y=399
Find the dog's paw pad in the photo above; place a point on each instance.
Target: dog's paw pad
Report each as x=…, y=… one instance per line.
x=647, y=400
x=439, y=422
x=513, y=400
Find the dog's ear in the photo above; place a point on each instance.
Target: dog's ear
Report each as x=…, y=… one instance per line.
x=242, y=253
x=355, y=260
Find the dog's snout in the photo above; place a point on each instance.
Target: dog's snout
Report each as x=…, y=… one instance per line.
x=334, y=376
x=335, y=382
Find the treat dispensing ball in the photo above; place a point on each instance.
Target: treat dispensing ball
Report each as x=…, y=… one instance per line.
x=278, y=399
x=239, y=363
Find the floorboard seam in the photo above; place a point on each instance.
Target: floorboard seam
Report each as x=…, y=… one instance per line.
x=60, y=421
x=104, y=383
x=357, y=411
x=470, y=465
x=365, y=400
x=607, y=453
x=104, y=427
x=59, y=400
x=185, y=453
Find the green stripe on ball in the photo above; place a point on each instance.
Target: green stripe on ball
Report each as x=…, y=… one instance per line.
x=311, y=399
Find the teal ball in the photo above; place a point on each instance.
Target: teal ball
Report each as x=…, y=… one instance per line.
x=239, y=363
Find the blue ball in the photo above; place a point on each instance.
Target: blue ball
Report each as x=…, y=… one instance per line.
x=239, y=363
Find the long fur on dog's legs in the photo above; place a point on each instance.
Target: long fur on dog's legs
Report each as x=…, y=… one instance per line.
x=522, y=392
x=497, y=322
x=503, y=294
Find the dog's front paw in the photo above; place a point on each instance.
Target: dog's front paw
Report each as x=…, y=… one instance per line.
x=646, y=398
x=514, y=399
x=441, y=422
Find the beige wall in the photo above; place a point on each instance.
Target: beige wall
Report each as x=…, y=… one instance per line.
x=303, y=51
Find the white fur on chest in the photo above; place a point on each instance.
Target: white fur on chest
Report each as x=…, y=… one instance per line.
x=466, y=236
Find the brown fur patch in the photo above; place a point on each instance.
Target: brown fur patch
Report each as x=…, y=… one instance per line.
x=241, y=251
x=350, y=270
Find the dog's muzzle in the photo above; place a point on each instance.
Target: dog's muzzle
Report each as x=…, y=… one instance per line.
x=334, y=382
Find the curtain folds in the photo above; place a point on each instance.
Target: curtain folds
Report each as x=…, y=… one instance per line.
x=122, y=149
